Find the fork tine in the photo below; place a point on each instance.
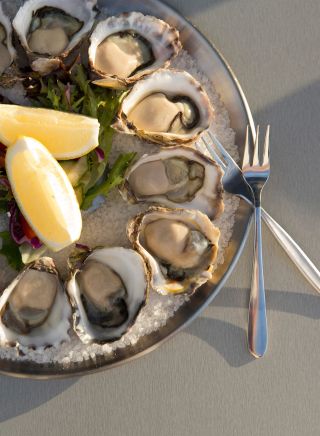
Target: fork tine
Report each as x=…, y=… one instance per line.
x=219, y=146
x=246, y=155
x=266, y=150
x=200, y=146
x=256, y=161
x=213, y=153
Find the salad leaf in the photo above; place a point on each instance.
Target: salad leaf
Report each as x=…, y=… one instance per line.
x=29, y=254
x=77, y=94
x=114, y=178
x=10, y=250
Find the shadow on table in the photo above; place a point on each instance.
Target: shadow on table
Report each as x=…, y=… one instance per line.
x=295, y=135
x=294, y=120
x=19, y=396
x=230, y=340
x=296, y=128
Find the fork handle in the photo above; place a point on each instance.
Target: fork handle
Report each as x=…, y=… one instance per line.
x=298, y=257
x=257, y=325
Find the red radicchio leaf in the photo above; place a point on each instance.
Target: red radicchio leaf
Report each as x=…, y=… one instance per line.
x=16, y=229
x=68, y=93
x=5, y=183
x=83, y=247
x=100, y=154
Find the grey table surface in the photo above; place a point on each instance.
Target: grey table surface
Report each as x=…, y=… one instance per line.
x=204, y=382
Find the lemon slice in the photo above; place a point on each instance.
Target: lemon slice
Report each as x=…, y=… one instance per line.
x=44, y=193
x=65, y=135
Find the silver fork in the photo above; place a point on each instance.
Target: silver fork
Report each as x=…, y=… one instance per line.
x=256, y=175
x=234, y=183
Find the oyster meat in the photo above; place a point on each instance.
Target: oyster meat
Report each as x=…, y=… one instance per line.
x=168, y=107
x=7, y=52
x=178, y=177
x=129, y=46
x=34, y=309
x=180, y=247
x=49, y=29
x=107, y=291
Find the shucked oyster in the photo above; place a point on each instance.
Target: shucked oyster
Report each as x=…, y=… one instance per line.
x=176, y=177
x=34, y=310
x=7, y=52
x=107, y=292
x=179, y=245
x=168, y=107
x=49, y=29
x=129, y=46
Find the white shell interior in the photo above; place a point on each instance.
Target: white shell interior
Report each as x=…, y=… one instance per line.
x=4, y=20
x=80, y=9
x=171, y=83
x=205, y=198
x=130, y=267
x=55, y=329
x=161, y=36
x=196, y=220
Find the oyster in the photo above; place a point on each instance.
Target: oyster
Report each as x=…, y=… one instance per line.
x=107, y=292
x=168, y=107
x=34, y=310
x=179, y=245
x=49, y=29
x=129, y=46
x=7, y=52
x=176, y=177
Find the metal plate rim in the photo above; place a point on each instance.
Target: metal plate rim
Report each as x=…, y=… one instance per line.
x=92, y=370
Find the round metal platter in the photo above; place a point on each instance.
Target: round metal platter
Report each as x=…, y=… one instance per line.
x=224, y=80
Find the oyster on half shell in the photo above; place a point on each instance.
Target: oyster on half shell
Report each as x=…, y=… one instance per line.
x=7, y=52
x=34, y=309
x=178, y=177
x=179, y=245
x=169, y=107
x=49, y=29
x=107, y=291
x=129, y=46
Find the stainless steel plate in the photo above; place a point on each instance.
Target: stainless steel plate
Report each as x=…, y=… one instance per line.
x=228, y=87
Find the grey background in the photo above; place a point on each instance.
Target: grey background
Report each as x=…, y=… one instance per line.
x=203, y=382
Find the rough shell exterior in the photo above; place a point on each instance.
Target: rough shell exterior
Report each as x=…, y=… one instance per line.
x=198, y=221
x=56, y=328
x=163, y=38
x=83, y=10
x=4, y=20
x=208, y=200
x=173, y=83
x=135, y=274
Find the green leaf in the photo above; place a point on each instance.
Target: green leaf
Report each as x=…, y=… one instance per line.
x=4, y=205
x=114, y=179
x=75, y=93
x=10, y=250
x=29, y=254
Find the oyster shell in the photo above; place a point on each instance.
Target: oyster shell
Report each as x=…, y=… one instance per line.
x=179, y=245
x=107, y=292
x=34, y=309
x=129, y=46
x=7, y=52
x=49, y=29
x=168, y=107
x=178, y=177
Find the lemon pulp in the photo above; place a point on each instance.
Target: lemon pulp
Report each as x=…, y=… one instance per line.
x=65, y=135
x=43, y=193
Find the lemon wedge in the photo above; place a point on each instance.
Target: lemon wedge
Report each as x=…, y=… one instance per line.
x=43, y=193
x=65, y=135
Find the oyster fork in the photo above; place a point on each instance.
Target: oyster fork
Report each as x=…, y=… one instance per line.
x=256, y=175
x=234, y=183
